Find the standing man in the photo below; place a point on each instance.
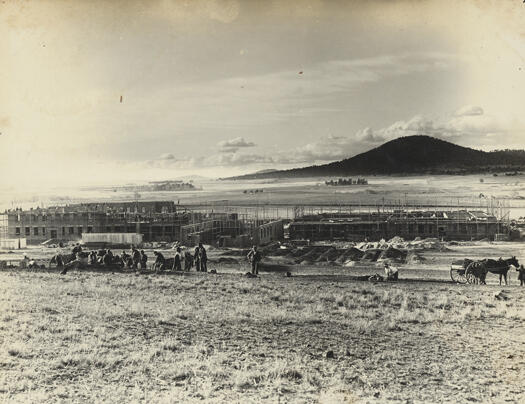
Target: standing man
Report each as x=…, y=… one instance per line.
x=196, y=259
x=521, y=274
x=254, y=257
x=135, y=255
x=177, y=266
x=143, y=260
x=203, y=258
x=188, y=260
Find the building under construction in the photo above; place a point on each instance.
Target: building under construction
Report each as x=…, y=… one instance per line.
x=447, y=225
x=156, y=221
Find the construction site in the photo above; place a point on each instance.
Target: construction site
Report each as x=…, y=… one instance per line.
x=159, y=221
x=225, y=225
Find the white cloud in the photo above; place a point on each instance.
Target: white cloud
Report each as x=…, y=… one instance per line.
x=469, y=110
x=469, y=126
x=233, y=145
x=238, y=159
x=327, y=148
x=167, y=156
x=225, y=159
x=474, y=130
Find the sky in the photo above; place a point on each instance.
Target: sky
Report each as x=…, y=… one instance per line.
x=103, y=92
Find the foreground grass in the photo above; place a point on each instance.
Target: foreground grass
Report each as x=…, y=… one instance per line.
x=124, y=338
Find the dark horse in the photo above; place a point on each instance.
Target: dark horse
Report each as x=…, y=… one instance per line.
x=500, y=267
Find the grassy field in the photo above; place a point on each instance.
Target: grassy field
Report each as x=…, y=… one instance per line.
x=204, y=337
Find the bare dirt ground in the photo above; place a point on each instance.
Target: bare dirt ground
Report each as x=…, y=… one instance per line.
x=118, y=337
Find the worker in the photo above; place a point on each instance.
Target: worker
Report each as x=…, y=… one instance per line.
x=196, y=259
x=391, y=272
x=92, y=258
x=177, y=264
x=159, y=261
x=24, y=262
x=188, y=260
x=203, y=258
x=254, y=257
x=143, y=260
x=521, y=274
x=135, y=254
x=59, y=260
x=76, y=249
x=107, y=259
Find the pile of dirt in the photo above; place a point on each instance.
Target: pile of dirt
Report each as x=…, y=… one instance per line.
x=329, y=255
x=427, y=244
x=393, y=254
x=371, y=255
x=396, y=249
x=414, y=258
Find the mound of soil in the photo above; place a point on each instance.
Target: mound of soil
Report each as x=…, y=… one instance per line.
x=414, y=258
x=351, y=254
x=314, y=253
x=392, y=253
x=371, y=255
x=329, y=256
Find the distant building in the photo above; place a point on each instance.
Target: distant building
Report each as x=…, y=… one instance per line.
x=448, y=225
x=68, y=223
x=155, y=221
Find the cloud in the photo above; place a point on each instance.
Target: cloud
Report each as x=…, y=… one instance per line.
x=417, y=125
x=224, y=159
x=234, y=144
x=238, y=159
x=469, y=110
x=327, y=148
x=167, y=156
x=468, y=126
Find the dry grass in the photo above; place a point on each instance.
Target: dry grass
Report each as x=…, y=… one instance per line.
x=124, y=338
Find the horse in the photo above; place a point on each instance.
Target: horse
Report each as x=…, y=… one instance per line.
x=501, y=267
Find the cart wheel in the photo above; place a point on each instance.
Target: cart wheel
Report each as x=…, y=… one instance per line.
x=458, y=275
x=471, y=271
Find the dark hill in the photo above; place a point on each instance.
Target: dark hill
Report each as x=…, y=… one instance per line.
x=411, y=155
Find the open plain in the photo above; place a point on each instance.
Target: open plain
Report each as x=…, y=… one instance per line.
x=321, y=335
x=318, y=336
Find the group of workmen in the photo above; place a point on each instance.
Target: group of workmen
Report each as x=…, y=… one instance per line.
x=138, y=260
x=199, y=259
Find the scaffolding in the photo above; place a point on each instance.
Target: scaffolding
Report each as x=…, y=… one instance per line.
x=4, y=226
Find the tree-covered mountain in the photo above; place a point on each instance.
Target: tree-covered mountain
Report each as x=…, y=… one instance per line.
x=410, y=155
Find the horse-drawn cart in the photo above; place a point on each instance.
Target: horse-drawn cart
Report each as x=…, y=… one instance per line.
x=466, y=271
x=470, y=271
